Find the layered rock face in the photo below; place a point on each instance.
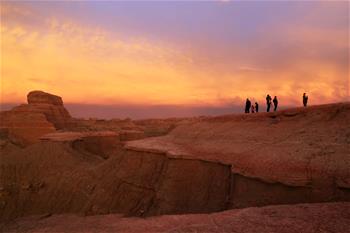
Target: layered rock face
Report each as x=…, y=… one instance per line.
x=24, y=128
x=40, y=97
x=302, y=147
x=43, y=114
x=202, y=166
x=58, y=177
x=49, y=105
x=130, y=135
x=100, y=143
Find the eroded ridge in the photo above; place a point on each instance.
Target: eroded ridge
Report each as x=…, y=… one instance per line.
x=203, y=166
x=55, y=177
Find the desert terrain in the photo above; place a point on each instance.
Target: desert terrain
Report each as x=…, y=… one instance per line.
x=284, y=171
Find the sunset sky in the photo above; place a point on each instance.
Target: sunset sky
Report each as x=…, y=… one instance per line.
x=189, y=54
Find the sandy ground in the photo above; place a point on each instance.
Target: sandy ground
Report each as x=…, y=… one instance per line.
x=205, y=165
x=300, y=147
x=305, y=218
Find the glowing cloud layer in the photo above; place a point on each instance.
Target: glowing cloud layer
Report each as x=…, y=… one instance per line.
x=92, y=64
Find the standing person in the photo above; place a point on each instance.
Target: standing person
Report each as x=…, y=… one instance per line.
x=268, y=102
x=253, y=111
x=256, y=107
x=247, y=105
x=275, y=103
x=305, y=99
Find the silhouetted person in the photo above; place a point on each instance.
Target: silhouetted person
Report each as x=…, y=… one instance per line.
x=247, y=105
x=256, y=107
x=253, y=110
x=305, y=99
x=268, y=102
x=275, y=103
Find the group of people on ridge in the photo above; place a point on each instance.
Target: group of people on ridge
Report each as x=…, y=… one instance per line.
x=249, y=106
x=255, y=108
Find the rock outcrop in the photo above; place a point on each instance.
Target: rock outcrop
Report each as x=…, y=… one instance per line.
x=130, y=135
x=49, y=105
x=58, y=177
x=101, y=143
x=40, y=97
x=203, y=166
x=43, y=114
x=307, y=147
x=24, y=128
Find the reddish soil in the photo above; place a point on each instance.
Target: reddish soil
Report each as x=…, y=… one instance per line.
x=306, y=218
x=297, y=147
x=174, y=166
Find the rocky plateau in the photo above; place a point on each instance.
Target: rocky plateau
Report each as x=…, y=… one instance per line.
x=285, y=171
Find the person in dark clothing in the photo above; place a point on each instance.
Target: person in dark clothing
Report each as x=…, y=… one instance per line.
x=247, y=105
x=275, y=103
x=256, y=107
x=268, y=102
x=253, y=109
x=305, y=99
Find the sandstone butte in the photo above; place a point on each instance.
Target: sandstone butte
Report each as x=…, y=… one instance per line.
x=233, y=173
x=43, y=114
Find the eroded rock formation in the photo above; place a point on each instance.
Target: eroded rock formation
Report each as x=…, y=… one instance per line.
x=55, y=177
x=202, y=166
x=59, y=177
x=49, y=105
x=130, y=135
x=100, y=143
x=40, y=97
x=307, y=147
x=24, y=128
x=26, y=123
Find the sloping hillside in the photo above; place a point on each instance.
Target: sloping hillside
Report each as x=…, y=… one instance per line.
x=207, y=165
x=306, y=218
x=298, y=147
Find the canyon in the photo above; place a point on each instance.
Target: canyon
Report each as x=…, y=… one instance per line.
x=207, y=174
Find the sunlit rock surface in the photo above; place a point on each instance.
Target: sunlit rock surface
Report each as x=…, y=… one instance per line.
x=174, y=166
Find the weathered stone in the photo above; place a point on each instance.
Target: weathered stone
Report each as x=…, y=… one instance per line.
x=26, y=123
x=272, y=153
x=205, y=166
x=40, y=97
x=130, y=135
x=24, y=128
x=49, y=105
x=101, y=143
x=55, y=114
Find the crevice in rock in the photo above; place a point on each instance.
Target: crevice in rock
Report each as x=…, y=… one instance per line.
x=137, y=183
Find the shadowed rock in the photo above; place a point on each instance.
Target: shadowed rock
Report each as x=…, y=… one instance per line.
x=49, y=105
x=302, y=218
x=24, y=128
x=307, y=147
x=202, y=166
x=40, y=97
x=43, y=114
x=100, y=143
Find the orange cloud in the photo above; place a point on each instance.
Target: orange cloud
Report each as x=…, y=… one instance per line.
x=91, y=65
